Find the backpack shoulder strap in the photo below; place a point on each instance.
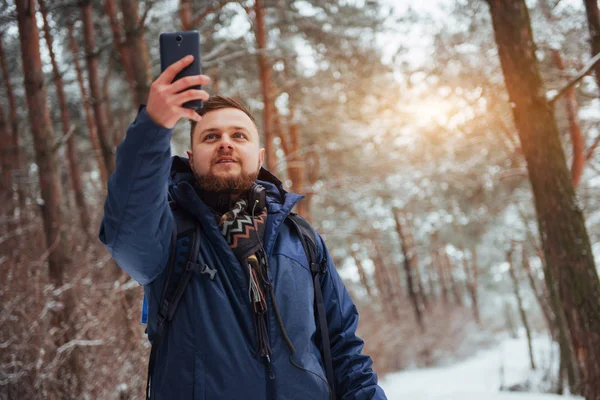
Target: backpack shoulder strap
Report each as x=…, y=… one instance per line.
x=182, y=265
x=309, y=239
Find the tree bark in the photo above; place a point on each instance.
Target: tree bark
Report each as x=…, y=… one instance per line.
x=65, y=118
x=471, y=274
x=43, y=139
x=431, y=279
x=567, y=355
x=296, y=167
x=264, y=68
x=110, y=121
x=95, y=92
x=542, y=302
x=453, y=284
x=593, y=18
x=185, y=14
x=118, y=41
x=410, y=239
x=387, y=291
x=14, y=149
x=574, y=127
x=408, y=270
x=364, y=280
x=522, y=313
x=137, y=48
x=562, y=228
x=89, y=117
x=5, y=159
x=437, y=261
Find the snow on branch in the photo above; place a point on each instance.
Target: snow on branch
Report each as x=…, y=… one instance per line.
x=586, y=70
x=78, y=342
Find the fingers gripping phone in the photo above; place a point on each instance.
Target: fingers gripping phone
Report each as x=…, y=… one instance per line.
x=176, y=45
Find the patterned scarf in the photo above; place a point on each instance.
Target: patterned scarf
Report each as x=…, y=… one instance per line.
x=244, y=233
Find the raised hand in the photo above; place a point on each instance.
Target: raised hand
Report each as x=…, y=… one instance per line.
x=166, y=97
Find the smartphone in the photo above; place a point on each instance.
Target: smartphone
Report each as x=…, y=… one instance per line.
x=176, y=45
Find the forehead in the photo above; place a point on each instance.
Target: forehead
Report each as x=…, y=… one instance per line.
x=225, y=118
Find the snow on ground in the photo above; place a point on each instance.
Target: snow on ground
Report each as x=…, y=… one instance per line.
x=480, y=377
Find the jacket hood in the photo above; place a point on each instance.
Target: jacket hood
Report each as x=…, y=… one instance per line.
x=182, y=191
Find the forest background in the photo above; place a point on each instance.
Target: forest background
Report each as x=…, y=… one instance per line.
x=447, y=152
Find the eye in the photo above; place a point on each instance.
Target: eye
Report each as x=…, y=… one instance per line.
x=210, y=136
x=239, y=135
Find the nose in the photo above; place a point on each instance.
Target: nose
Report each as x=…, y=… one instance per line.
x=225, y=143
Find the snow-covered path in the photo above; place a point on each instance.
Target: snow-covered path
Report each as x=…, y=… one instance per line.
x=477, y=378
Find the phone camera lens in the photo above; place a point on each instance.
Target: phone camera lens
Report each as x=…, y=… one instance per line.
x=178, y=38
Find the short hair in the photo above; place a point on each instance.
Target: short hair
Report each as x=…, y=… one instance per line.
x=217, y=103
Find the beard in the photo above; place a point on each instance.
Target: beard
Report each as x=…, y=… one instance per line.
x=233, y=184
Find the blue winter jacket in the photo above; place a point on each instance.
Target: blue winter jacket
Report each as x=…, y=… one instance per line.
x=209, y=351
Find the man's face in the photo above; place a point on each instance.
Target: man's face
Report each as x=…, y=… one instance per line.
x=226, y=153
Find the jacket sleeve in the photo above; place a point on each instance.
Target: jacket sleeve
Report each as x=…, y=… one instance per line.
x=138, y=223
x=354, y=376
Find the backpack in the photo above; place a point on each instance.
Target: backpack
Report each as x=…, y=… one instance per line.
x=182, y=265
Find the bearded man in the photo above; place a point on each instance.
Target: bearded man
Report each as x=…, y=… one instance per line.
x=245, y=326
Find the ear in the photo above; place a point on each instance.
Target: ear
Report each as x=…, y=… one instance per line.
x=191, y=158
x=261, y=158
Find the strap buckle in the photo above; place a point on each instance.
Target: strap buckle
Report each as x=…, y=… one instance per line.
x=319, y=268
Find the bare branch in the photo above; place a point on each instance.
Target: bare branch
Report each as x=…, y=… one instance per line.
x=234, y=55
x=64, y=138
x=149, y=6
x=207, y=11
x=20, y=230
x=513, y=172
x=214, y=52
x=586, y=70
x=78, y=342
x=57, y=5
x=590, y=151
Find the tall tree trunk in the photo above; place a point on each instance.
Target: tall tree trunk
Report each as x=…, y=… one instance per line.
x=574, y=127
x=387, y=291
x=118, y=41
x=89, y=117
x=13, y=148
x=562, y=228
x=137, y=48
x=95, y=93
x=539, y=296
x=579, y=156
x=296, y=169
x=472, y=284
x=522, y=313
x=264, y=69
x=75, y=172
x=412, y=248
x=408, y=270
x=364, y=280
x=458, y=296
x=185, y=14
x=431, y=279
x=312, y=165
x=439, y=263
x=110, y=122
x=43, y=138
x=393, y=272
x=6, y=164
x=593, y=18
x=509, y=316
x=568, y=360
